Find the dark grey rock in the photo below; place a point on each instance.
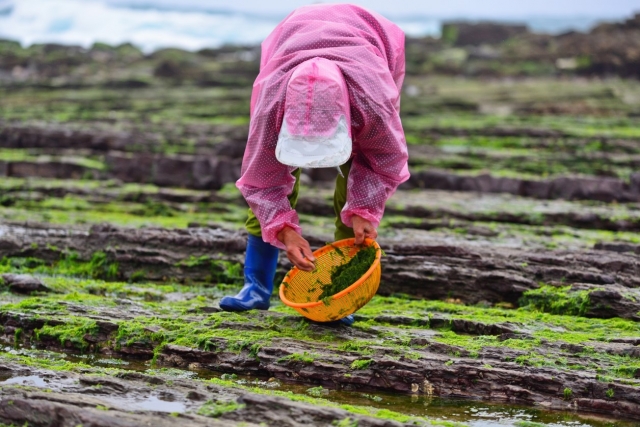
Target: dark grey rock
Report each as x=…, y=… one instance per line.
x=23, y=283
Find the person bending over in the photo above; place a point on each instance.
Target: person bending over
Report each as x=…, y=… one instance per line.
x=327, y=95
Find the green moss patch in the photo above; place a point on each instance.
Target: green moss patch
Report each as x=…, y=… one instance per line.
x=215, y=409
x=557, y=300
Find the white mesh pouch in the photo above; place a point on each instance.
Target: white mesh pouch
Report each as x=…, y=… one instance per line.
x=314, y=151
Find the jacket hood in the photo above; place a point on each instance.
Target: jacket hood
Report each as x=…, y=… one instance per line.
x=316, y=99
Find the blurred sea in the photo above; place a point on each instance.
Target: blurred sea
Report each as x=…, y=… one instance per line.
x=158, y=24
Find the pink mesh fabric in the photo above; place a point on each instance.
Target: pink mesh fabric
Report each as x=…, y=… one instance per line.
x=369, y=51
x=316, y=98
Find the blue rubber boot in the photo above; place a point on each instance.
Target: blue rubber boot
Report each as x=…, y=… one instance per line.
x=345, y=321
x=259, y=271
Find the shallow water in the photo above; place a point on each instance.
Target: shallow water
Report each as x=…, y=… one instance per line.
x=132, y=403
x=29, y=380
x=472, y=413
x=148, y=403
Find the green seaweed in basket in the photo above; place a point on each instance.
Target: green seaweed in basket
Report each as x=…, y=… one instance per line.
x=348, y=273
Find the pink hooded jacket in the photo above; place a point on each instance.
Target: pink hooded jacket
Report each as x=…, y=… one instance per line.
x=369, y=51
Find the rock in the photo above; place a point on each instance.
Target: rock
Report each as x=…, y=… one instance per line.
x=507, y=185
x=224, y=171
x=634, y=183
x=472, y=274
x=603, y=189
x=173, y=171
x=477, y=230
x=630, y=341
x=129, y=167
x=475, y=34
x=620, y=247
x=9, y=244
x=569, y=188
x=322, y=174
x=126, y=400
x=535, y=189
x=233, y=148
x=202, y=172
x=314, y=206
x=481, y=183
x=437, y=250
x=508, y=285
x=47, y=169
x=23, y=283
x=159, y=251
x=609, y=49
x=433, y=179
x=271, y=408
x=613, y=301
x=44, y=409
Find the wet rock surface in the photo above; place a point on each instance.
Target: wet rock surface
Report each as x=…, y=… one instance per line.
x=567, y=188
x=433, y=368
x=42, y=397
x=471, y=274
x=511, y=267
x=141, y=158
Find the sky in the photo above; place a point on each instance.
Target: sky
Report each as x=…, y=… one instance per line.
x=498, y=9
x=195, y=24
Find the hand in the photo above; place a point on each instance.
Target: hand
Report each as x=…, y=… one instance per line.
x=298, y=249
x=363, y=229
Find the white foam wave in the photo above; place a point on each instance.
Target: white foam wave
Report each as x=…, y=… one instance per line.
x=84, y=22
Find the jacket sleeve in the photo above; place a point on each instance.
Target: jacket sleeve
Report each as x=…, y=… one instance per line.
x=380, y=162
x=378, y=168
x=398, y=73
x=265, y=182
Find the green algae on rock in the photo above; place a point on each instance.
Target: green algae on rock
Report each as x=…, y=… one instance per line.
x=215, y=409
x=458, y=246
x=557, y=300
x=391, y=332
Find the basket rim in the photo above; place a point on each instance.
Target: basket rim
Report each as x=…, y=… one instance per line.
x=322, y=251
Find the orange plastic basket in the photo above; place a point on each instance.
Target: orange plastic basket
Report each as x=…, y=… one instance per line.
x=300, y=289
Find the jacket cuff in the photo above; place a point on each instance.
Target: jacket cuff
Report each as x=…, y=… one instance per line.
x=347, y=217
x=270, y=232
